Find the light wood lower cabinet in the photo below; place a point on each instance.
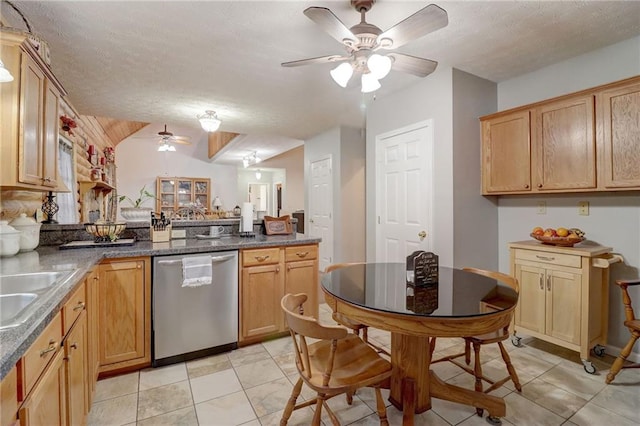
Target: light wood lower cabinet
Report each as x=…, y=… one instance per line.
x=46, y=405
x=266, y=276
x=564, y=294
x=75, y=350
x=9, y=398
x=124, y=313
x=91, y=284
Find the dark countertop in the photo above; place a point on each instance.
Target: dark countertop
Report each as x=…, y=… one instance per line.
x=16, y=340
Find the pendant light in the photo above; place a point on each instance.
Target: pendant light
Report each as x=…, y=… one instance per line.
x=209, y=121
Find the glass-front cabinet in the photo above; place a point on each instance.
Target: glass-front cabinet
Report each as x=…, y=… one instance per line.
x=175, y=193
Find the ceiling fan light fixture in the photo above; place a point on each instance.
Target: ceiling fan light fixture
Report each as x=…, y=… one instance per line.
x=369, y=83
x=342, y=74
x=379, y=65
x=5, y=75
x=166, y=147
x=209, y=121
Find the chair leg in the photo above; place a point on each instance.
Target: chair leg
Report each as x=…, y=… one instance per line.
x=318, y=412
x=624, y=353
x=350, y=397
x=467, y=352
x=510, y=368
x=295, y=393
x=381, y=408
x=477, y=371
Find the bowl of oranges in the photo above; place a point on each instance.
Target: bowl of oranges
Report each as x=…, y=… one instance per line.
x=565, y=237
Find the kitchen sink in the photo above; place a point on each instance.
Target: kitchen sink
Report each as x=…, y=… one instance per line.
x=35, y=282
x=13, y=307
x=22, y=294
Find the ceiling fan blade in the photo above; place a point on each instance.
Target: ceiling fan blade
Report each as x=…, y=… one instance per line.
x=318, y=60
x=421, y=23
x=331, y=24
x=412, y=64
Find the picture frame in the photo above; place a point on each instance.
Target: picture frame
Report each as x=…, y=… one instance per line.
x=278, y=225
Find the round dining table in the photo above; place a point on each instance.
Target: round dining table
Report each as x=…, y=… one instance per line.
x=458, y=304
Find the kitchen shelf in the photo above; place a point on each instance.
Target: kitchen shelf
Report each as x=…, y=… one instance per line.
x=98, y=186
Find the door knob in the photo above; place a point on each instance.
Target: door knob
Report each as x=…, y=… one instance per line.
x=422, y=235
x=311, y=220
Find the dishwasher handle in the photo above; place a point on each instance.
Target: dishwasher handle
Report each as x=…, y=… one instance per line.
x=214, y=259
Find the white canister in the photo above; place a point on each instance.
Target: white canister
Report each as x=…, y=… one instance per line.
x=30, y=237
x=9, y=239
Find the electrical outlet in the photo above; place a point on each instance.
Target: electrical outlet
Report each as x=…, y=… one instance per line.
x=583, y=208
x=542, y=207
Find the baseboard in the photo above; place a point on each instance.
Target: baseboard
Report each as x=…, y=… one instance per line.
x=614, y=351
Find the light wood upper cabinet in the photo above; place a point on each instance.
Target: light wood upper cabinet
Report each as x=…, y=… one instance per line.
x=619, y=135
x=124, y=315
x=582, y=142
x=564, y=145
x=30, y=119
x=506, y=153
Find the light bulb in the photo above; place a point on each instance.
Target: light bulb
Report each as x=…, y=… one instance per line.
x=258, y=175
x=5, y=75
x=369, y=83
x=379, y=65
x=342, y=73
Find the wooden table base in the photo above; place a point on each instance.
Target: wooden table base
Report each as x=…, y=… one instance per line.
x=413, y=384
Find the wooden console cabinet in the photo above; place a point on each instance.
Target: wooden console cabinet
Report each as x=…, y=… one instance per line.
x=564, y=295
x=266, y=275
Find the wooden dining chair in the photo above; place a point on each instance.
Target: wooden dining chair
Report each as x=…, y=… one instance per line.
x=477, y=342
x=354, y=326
x=338, y=363
x=633, y=324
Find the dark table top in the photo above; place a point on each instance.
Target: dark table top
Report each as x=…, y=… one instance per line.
x=384, y=287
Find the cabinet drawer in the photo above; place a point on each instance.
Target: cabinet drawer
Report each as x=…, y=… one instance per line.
x=551, y=258
x=74, y=307
x=40, y=353
x=264, y=256
x=292, y=254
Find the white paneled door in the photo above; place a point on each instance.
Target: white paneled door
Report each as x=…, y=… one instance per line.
x=404, y=164
x=321, y=208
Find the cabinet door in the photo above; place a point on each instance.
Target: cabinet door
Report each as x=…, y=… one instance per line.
x=31, y=104
x=46, y=405
x=91, y=284
x=618, y=111
x=563, y=305
x=50, y=134
x=506, y=154
x=262, y=288
x=530, y=311
x=122, y=316
x=75, y=346
x=564, y=141
x=302, y=277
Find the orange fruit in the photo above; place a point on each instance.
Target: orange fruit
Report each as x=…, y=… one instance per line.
x=562, y=232
x=537, y=231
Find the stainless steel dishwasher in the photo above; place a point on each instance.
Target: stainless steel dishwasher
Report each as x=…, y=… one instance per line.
x=192, y=322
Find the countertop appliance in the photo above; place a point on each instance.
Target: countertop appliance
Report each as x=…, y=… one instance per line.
x=192, y=322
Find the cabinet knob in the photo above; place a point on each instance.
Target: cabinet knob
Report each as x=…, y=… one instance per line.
x=539, y=185
x=261, y=258
x=302, y=253
x=526, y=187
x=74, y=345
x=139, y=266
x=79, y=306
x=52, y=347
x=46, y=179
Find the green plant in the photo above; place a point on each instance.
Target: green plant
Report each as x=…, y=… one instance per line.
x=142, y=197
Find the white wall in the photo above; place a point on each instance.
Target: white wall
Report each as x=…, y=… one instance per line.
x=614, y=218
x=429, y=98
x=139, y=163
x=291, y=175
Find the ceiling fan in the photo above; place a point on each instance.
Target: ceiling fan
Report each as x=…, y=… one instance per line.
x=363, y=41
x=166, y=139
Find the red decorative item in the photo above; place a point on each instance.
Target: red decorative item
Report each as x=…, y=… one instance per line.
x=68, y=124
x=92, y=149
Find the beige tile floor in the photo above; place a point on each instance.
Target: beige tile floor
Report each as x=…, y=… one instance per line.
x=250, y=386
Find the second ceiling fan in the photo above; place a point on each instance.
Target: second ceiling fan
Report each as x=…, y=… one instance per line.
x=364, y=41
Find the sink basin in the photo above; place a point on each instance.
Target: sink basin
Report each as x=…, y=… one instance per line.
x=12, y=306
x=35, y=282
x=22, y=294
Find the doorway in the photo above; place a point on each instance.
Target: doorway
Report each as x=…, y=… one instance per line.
x=404, y=182
x=321, y=208
x=259, y=197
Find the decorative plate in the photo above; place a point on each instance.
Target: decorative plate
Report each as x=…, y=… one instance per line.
x=558, y=241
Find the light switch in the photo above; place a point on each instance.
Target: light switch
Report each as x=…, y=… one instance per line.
x=542, y=207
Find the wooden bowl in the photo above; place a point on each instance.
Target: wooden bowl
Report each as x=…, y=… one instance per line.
x=558, y=241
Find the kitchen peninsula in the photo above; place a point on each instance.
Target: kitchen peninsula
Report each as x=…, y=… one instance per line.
x=74, y=303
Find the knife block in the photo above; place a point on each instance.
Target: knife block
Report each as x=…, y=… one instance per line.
x=160, y=236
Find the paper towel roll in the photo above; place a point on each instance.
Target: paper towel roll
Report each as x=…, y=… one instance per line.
x=247, y=217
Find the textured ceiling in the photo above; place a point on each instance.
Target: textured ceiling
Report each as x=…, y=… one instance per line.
x=166, y=62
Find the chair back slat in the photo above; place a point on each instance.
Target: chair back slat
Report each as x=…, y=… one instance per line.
x=308, y=326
